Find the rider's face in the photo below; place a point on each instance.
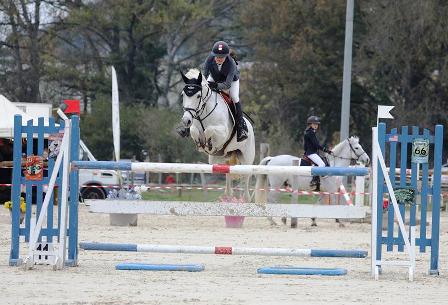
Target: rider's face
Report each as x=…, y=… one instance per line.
x=219, y=60
x=315, y=126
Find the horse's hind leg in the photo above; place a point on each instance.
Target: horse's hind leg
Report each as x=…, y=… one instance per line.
x=313, y=220
x=272, y=197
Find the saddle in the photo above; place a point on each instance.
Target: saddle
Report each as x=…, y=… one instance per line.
x=305, y=161
x=229, y=102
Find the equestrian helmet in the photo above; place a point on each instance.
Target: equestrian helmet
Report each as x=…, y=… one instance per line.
x=313, y=120
x=220, y=49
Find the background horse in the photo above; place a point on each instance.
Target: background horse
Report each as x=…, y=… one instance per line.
x=212, y=126
x=343, y=154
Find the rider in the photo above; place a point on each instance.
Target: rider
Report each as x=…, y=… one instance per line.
x=312, y=147
x=222, y=74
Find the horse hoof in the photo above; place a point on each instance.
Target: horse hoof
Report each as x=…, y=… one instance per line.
x=293, y=222
x=314, y=224
x=341, y=225
x=284, y=220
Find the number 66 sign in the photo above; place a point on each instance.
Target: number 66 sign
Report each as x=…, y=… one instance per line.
x=420, y=150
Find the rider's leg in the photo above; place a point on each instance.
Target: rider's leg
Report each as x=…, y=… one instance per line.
x=241, y=128
x=316, y=179
x=317, y=159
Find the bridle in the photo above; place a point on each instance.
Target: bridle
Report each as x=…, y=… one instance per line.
x=354, y=152
x=196, y=113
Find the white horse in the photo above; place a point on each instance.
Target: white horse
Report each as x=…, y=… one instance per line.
x=343, y=154
x=212, y=126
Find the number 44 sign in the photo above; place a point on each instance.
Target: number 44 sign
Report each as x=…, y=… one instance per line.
x=420, y=150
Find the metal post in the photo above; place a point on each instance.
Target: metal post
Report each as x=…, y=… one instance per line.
x=346, y=82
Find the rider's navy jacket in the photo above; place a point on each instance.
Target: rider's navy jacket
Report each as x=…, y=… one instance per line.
x=229, y=71
x=311, y=143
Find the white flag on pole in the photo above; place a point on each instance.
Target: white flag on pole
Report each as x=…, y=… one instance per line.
x=384, y=112
x=115, y=115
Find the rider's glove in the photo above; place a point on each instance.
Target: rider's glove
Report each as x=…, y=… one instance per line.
x=326, y=150
x=213, y=85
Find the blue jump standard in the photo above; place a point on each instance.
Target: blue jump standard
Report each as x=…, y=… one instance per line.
x=302, y=271
x=160, y=267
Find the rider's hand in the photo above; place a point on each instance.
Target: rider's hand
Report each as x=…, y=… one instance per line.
x=213, y=85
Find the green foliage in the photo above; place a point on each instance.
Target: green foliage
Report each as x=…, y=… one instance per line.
x=142, y=128
x=292, y=63
x=298, y=51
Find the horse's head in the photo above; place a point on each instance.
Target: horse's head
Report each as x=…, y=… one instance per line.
x=356, y=151
x=193, y=96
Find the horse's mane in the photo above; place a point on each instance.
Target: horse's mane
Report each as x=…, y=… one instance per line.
x=338, y=147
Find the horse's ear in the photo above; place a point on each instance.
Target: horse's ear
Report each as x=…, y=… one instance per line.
x=186, y=80
x=200, y=78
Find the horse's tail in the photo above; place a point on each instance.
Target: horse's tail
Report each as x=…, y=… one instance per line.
x=261, y=185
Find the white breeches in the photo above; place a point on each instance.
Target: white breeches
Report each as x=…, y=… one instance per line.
x=317, y=159
x=234, y=90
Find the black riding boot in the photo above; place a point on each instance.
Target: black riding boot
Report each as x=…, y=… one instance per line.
x=241, y=128
x=183, y=132
x=315, y=182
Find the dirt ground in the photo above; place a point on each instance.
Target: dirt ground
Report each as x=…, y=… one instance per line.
x=226, y=279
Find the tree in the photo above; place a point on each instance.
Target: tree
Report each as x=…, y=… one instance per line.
x=142, y=129
x=22, y=47
x=403, y=58
x=298, y=56
x=189, y=29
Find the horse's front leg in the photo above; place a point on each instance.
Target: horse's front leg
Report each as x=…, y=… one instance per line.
x=215, y=137
x=197, y=138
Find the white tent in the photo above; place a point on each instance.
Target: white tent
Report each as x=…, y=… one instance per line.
x=7, y=112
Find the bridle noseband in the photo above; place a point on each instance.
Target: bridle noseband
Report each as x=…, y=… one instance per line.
x=192, y=89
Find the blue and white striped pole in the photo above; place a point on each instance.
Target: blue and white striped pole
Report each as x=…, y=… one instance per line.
x=155, y=167
x=222, y=250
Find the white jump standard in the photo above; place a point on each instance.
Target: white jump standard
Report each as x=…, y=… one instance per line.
x=222, y=250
